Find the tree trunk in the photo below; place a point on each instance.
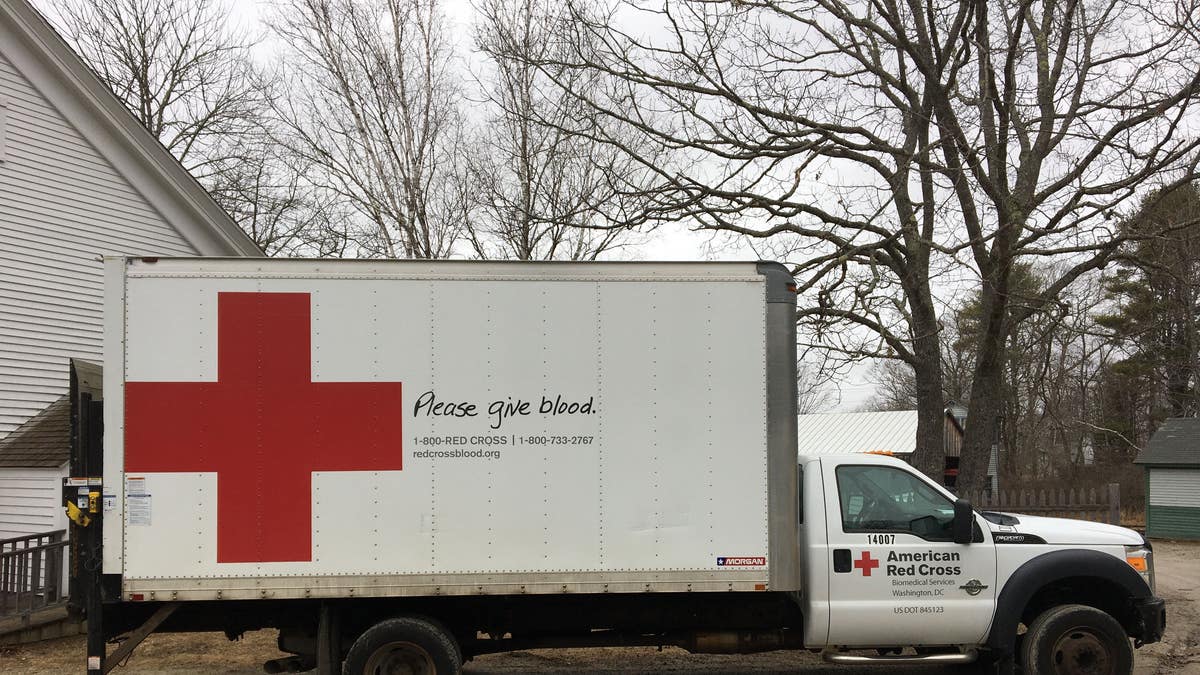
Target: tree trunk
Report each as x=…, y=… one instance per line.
x=983, y=425
x=987, y=389
x=929, y=457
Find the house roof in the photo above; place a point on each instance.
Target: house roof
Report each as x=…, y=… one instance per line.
x=957, y=412
x=69, y=84
x=1176, y=443
x=848, y=433
x=44, y=440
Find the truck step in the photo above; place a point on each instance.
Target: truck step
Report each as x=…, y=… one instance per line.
x=968, y=656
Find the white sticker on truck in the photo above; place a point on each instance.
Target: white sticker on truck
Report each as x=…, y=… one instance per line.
x=742, y=561
x=138, y=508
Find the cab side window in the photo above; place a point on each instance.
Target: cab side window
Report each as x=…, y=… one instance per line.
x=887, y=499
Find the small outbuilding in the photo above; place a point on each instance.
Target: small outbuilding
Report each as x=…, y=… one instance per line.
x=33, y=463
x=1172, y=463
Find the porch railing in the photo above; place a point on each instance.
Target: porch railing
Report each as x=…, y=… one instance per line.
x=31, y=572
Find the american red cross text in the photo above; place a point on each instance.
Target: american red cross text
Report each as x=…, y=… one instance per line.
x=263, y=427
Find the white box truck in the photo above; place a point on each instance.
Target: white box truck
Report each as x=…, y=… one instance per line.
x=404, y=464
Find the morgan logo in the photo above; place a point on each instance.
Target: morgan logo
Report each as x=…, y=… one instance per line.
x=745, y=561
x=263, y=427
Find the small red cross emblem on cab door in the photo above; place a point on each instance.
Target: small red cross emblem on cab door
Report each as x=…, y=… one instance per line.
x=866, y=563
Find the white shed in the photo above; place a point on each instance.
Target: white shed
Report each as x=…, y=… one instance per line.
x=79, y=178
x=1172, y=463
x=33, y=461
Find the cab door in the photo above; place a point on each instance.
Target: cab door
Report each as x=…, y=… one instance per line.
x=896, y=577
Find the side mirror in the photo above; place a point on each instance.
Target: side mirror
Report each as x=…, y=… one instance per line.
x=964, y=522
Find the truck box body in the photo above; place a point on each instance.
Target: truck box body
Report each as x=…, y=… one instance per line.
x=296, y=429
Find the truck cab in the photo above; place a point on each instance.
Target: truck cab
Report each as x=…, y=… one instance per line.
x=895, y=561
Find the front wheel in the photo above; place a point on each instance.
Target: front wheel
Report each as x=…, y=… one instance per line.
x=404, y=646
x=1076, y=640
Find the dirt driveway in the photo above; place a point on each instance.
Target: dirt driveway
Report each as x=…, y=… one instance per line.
x=1177, y=565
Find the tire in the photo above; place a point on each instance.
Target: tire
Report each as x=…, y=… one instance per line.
x=1076, y=640
x=409, y=645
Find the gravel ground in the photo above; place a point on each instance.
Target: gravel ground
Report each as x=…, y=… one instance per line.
x=1177, y=565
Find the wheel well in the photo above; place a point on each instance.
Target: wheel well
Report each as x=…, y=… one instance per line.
x=1103, y=594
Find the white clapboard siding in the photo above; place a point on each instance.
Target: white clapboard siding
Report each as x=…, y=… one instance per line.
x=30, y=501
x=1175, y=487
x=62, y=206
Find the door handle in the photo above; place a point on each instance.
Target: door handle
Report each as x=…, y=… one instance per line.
x=841, y=560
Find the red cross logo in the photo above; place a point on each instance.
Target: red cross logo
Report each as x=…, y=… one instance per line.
x=866, y=563
x=264, y=427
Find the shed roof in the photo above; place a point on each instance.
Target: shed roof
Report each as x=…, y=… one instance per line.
x=849, y=433
x=44, y=440
x=1177, y=442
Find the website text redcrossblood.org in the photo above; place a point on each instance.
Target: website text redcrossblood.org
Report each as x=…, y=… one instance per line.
x=456, y=454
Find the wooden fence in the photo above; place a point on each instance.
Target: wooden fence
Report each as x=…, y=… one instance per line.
x=1100, y=505
x=31, y=572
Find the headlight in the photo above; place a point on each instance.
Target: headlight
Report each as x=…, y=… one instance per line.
x=1141, y=558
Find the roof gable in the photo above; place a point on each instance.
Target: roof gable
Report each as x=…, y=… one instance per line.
x=1177, y=442
x=45, y=60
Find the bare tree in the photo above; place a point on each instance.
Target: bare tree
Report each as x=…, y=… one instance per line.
x=371, y=105
x=546, y=186
x=895, y=387
x=813, y=393
x=179, y=67
x=1053, y=364
x=1068, y=112
x=189, y=78
x=888, y=143
x=277, y=205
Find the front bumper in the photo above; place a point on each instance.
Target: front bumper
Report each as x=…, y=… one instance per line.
x=1152, y=615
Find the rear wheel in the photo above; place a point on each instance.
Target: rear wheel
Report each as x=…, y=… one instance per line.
x=1076, y=640
x=404, y=646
